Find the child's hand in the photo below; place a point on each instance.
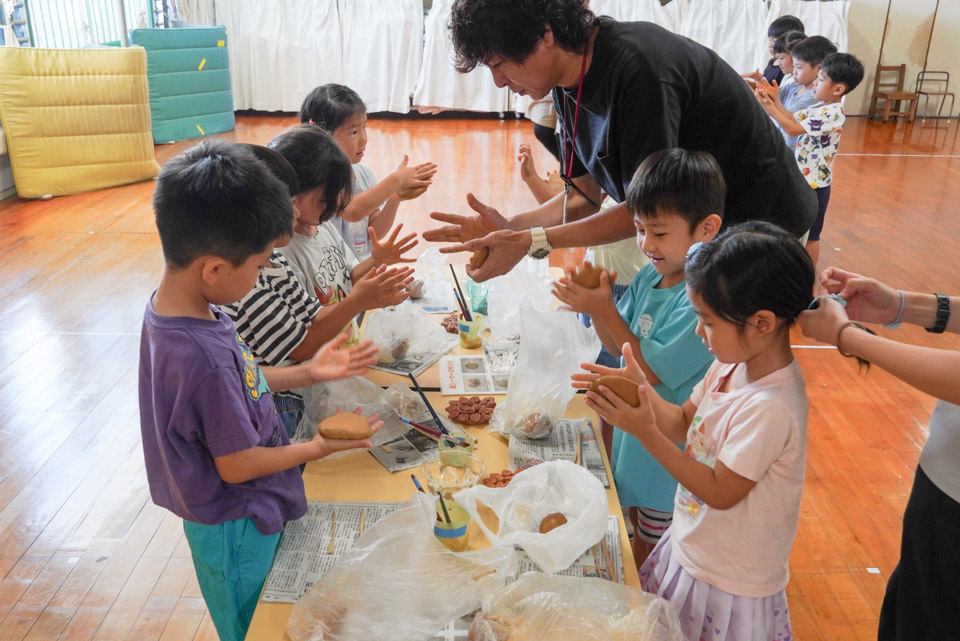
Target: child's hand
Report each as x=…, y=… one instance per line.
x=821, y=323
x=391, y=250
x=382, y=287
x=630, y=370
x=637, y=421
x=581, y=299
x=868, y=300
x=764, y=100
x=331, y=362
x=771, y=90
x=413, y=177
x=327, y=446
x=528, y=170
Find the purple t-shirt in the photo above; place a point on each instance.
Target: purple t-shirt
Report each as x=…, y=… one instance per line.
x=202, y=396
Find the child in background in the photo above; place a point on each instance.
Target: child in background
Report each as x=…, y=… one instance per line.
x=676, y=198
x=278, y=318
x=339, y=111
x=215, y=451
x=317, y=254
x=723, y=563
x=819, y=129
x=806, y=57
x=793, y=95
x=772, y=73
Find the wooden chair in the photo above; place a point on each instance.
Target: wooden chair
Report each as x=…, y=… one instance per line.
x=936, y=84
x=892, y=93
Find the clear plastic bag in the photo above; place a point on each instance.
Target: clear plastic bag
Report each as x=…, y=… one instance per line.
x=527, y=284
x=400, y=331
x=398, y=583
x=538, y=607
x=548, y=488
x=553, y=344
x=406, y=403
x=437, y=293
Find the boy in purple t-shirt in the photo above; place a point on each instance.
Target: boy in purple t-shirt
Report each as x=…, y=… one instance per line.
x=216, y=453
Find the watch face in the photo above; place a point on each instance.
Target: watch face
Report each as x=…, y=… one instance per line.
x=540, y=253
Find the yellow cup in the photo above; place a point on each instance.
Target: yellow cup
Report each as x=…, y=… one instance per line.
x=470, y=331
x=455, y=535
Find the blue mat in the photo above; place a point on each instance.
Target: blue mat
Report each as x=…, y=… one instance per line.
x=188, y=71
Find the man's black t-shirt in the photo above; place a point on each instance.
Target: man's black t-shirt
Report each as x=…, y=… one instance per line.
x=648, y=89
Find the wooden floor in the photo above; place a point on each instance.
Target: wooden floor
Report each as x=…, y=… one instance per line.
x=84, y=554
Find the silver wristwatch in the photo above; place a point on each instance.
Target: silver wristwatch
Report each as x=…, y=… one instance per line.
x=539, y=246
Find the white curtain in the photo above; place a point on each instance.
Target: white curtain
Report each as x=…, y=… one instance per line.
x=279, y=51
x=440, y=86
x=382, y=50
x=735, y=29
x=827, y=19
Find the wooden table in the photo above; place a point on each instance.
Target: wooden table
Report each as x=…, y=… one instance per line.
x=361, y=478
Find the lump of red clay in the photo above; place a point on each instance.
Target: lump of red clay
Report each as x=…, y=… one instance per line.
x=621, y=386
x=479, y=256
x=345, y=426
x=551, y=522
x=587, y=275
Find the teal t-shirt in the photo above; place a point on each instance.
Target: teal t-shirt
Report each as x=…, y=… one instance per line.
x=665, y=323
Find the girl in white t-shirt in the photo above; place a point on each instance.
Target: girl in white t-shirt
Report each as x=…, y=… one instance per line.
x=317, y=255
x=723, y=563
x=339, y=111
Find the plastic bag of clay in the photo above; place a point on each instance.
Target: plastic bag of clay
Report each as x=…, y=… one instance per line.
x=402, y=332
x=431, y=289
x=398, y=583
x=557, y=487
x=526, y=284
x=538, y=607
x=407, y=403
x=553, y=344
x=347, y=395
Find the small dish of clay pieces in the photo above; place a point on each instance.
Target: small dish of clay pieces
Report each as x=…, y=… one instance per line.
x=471, y=410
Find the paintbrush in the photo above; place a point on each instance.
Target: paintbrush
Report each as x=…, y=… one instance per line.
x=432, y=411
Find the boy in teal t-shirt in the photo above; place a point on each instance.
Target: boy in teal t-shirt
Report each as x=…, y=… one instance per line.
x=676, y=198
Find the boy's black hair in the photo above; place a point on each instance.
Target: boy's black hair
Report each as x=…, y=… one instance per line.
x=329, y=106
x=784, y=44
x=319, y=163
x=749, y=267
x=277, y=165
x=217, y=199
x=845, y=68
x=784, y=24
x=812, y=50
x=482, y=29
x=677, y=181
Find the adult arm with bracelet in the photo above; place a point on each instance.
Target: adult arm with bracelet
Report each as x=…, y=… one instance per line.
x=930, y=370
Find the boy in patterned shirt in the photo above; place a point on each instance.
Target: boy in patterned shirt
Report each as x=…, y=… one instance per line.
x=819, y=128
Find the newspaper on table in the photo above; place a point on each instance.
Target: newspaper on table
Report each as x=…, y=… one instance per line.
x=303, y=554
x=561, y=445
x=418, y=363
x=469, y=376
x=434, y=302
x=411, y=448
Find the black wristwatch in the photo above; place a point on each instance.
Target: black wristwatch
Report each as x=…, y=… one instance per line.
x=943, y=314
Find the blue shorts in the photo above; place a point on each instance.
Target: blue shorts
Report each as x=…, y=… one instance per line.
x=232, y=560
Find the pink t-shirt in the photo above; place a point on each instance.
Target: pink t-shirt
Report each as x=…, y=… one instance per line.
x=759, y=431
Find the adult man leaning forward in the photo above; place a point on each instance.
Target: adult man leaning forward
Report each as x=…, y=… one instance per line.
x=643, y=89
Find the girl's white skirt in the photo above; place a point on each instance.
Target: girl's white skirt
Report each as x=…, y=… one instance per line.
x=707, y=613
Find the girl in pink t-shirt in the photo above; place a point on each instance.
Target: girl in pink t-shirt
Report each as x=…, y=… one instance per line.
x=723, y=563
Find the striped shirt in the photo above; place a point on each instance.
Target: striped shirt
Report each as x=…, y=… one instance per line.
x=272, y=319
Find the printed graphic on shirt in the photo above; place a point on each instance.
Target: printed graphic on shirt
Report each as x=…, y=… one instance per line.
x=817, y=148
x=253, y=378
x=700, y=448
x=645, y=324
x=330, y=271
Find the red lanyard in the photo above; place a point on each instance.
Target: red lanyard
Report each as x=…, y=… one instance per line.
x=568, y=151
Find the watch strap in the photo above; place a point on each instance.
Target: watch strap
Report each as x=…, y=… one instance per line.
x=943, y=314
